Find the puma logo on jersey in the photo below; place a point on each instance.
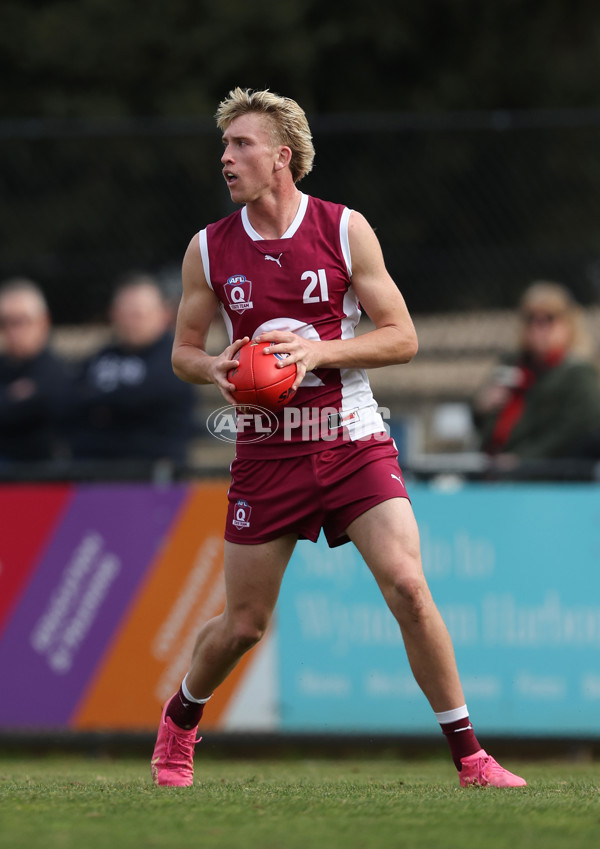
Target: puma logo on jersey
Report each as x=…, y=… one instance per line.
x=397, y=478
x=276, y=259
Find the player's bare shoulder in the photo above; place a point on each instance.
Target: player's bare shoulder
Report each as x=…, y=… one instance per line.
x=357, y=222
x=365, y=249
x=192, y=268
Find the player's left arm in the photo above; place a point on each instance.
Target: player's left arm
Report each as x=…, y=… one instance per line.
x=394, y=339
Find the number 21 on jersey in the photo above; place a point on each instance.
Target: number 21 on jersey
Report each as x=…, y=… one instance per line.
x=315, y=279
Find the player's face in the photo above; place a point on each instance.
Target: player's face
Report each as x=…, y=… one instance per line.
x=249, y=158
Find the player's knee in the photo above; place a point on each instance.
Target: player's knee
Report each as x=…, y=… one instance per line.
x=245, y=634
x=409, y=598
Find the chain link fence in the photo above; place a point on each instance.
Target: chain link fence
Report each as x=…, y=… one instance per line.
x=469, y=208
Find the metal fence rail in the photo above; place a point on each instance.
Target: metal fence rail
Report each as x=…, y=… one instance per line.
x=471, y=466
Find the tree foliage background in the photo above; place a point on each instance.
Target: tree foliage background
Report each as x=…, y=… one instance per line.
x=467, y=132
x=142, y=57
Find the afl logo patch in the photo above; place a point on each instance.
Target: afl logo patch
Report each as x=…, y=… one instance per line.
x=238, y=290
x=241, y=514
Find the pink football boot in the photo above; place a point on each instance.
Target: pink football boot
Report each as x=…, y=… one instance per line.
x=483, y=770
x=172, y=762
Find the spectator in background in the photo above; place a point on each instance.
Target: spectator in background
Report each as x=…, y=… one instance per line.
x=129, y=404
x=544, y=399
x=34, y=381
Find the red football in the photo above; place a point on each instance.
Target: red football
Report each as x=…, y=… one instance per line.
x=259, y=380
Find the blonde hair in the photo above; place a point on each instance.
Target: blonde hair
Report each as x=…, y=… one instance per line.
x=290, y=126
x=553, y=298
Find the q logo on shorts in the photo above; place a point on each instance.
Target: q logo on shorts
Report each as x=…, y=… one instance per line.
x=241, y=514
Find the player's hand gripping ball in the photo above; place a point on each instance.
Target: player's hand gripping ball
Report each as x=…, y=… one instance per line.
x=259, y=380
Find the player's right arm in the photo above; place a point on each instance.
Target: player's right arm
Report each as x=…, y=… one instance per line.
x=191, y=362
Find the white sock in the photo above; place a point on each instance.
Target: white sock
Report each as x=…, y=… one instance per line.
x=189, y=696
x=453, y=715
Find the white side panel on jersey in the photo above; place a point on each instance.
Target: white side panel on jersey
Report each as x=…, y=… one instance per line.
x=345, y=241
x=356, y=389
x=227, y=322
x=203, y=242
x=307, y=331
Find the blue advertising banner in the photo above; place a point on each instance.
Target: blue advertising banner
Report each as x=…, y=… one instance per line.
x=515, y=571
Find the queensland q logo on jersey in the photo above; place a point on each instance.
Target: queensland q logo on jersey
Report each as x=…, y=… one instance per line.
x=239, y=291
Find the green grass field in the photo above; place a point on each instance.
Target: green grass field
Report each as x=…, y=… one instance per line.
x=63, y=802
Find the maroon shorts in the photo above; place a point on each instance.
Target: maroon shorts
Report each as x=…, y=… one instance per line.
x=301, y=495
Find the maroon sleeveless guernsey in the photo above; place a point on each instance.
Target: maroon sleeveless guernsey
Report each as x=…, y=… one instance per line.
x=302, y=283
